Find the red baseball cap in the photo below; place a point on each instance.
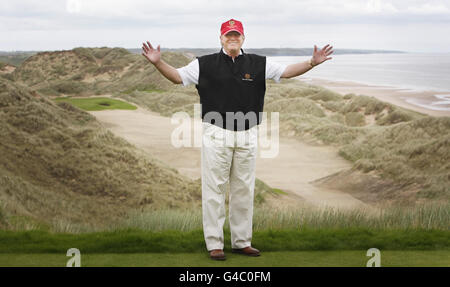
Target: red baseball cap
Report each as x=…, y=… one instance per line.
x=231, y=25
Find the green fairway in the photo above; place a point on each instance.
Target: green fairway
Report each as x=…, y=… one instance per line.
x=349, y=258
x=97, y=103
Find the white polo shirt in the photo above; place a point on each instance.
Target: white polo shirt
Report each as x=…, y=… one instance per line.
x=190, y=73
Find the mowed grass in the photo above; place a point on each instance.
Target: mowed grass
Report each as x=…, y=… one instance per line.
x=97, y=103
x=140, y=241
x=405, y=237
x=347, y=258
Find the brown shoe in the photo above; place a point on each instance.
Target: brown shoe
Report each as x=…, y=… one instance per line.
x=249, y=251
x=217, y=254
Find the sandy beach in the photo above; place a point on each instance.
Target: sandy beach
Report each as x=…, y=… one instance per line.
x=424, y=102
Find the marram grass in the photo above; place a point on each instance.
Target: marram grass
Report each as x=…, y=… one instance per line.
x=420, y=217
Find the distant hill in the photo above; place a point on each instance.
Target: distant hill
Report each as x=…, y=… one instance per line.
x=90, y=71
x=15, y=58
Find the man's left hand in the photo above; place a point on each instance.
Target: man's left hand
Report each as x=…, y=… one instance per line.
x=320, y=56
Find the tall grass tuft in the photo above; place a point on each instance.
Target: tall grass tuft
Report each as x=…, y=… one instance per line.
x=434, y=216
x=426, y=216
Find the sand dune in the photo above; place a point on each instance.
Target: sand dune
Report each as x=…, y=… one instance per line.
x=400, y=97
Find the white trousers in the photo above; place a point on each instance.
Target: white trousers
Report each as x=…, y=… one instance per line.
x=228, y=157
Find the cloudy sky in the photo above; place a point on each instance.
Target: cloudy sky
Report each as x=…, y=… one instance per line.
x=414, y=26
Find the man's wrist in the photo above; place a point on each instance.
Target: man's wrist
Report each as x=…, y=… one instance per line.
x=156, y=64
x=311, y=63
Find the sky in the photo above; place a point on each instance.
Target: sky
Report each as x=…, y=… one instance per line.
x=413, y=26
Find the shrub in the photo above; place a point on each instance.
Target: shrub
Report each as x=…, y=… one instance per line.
x=332, y=106
x=337, y=133
x=84, y=53
x=348, y=96
x=397, y=116
x=298, y=105
x=354, y=119
x=326, y=95
x=369, y=105
x=69, y=87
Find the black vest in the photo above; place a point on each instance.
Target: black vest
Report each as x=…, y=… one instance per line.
x=237, y=87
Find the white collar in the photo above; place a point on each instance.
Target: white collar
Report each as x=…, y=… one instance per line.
x=240, y=52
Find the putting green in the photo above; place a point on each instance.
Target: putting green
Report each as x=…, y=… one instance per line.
x=97, y=103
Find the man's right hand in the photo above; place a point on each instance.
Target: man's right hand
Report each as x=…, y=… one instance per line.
x=153, y=55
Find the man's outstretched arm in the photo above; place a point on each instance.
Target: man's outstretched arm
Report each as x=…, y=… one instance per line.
x=154, y=57
x=319, y=56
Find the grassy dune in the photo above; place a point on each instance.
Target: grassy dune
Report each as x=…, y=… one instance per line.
x=88, y=71
x=59, y=164
x=399, y=155
x=6, y=70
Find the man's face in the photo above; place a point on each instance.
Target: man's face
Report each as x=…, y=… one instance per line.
x=232, y=41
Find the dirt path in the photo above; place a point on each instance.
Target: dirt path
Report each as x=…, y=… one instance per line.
x=295, y=166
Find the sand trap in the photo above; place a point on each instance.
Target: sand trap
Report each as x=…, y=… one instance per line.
x=295, y=166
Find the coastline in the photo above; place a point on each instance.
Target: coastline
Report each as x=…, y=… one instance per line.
x=405, y=98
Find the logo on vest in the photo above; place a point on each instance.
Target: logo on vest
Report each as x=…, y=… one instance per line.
x=247, y=77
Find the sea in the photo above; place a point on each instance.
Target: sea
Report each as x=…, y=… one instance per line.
x=410, y=71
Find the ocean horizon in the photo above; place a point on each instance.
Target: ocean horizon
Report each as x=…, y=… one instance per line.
x=409, y=71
